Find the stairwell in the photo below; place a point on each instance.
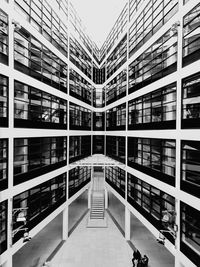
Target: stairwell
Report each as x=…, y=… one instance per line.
x=97, y=211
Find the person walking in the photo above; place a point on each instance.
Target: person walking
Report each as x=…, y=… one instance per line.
x=136, y=256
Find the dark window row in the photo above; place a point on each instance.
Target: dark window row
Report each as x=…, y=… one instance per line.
x=117, y=58
x=79, y=147
x=3, y=164
x=3, y=101
x=116, y=178
x=40, y=201
x=34, y=59
x=191, y=36
x=79, y=87
x=98, y=121
x=116, y=118
x=116, y=89
x=116, y=147
x=98, y=144
x=190, y=180
x=159, y=60
x=150, y=20
x=3, y=37
x=80, y=117
x=42, y=17
x=3, y=226
x=99, y=74
x=99, y=98
x=190, y=233
x=152, y=203
x=155, y=157
x=78, y=177
x=154, y=110
x=37, y=109
x=80, y=58
x=191, y=103
x=36, y=156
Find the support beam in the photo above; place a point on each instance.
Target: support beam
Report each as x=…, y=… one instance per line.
x=65, y=226
x=127, y=224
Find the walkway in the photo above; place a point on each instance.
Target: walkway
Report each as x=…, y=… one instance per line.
x=94, y=247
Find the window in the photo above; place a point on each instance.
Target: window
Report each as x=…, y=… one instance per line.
x=37, y=109
x=154, y=110
x=151, y=202
x=41, y=201
x=3, y=164
x=116, y=118
x=98, y=144
x=98, y=121
x=3, y=37
x=80, y=118
x=153, y=156
x=79, y=87
x=36, y=156
x=116, y=178
x=156, y=62
x=37, y=61
x=115, y=147
x=191, y=167
x=116, y=89
x=80, y=58
x=45, y=21
x=3, y=226
x=190, y=102
x=79, y=147
x=3, y=101
x=78, y=178
x=190, y=233
x=191, y=36
x=99, y=98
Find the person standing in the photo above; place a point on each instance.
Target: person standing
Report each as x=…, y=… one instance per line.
x=136, y=256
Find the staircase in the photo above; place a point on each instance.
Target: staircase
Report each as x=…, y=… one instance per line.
x=97, y=211
x=97, y=205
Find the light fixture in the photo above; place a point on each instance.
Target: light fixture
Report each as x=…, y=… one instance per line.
x=16, y=25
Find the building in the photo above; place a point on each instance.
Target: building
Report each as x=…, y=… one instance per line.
x=63, y=100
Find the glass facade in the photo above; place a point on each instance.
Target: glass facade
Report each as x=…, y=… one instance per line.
x=79, y=147
x=116, y=147
x=158, y=61
x=40, y=201
x=43, y=18
x=37, y=109
x=3, y=37
x=190, y=232
x=79, y=87
x=150, y=20
x=156, y=110
x=190, y=102
x=36, y=156
x=78, y=177
x=80, y=117
x=151, y=202
x=153, y=157
x=3, y=101
x=191, y=36
x=3, y=164
x=190, y=167
x=116, y=118
x=36, y=60
x=3, y=226
x=116, y=89
x=98, y=144
x=116, y=178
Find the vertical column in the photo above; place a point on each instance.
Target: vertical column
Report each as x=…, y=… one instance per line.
x=65, y=226
x=106, y=199
x=127, y=224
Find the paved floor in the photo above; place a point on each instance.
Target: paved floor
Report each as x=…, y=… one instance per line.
x=94, y=247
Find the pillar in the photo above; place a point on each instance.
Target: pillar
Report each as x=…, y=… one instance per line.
x=127, y=224
x=65, y=225
x=106, y=199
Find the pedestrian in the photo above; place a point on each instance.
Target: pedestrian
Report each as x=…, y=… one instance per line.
x=144, y=261
x=136, y=256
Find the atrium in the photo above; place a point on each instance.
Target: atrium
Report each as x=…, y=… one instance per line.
x=99, y=142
